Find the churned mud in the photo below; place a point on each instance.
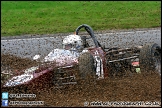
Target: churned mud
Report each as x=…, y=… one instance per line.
x=14, y=62
x=133, y=88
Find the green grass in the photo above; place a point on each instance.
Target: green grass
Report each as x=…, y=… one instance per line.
x=50, y=17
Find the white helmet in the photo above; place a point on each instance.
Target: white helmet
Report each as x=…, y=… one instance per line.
x=73, y=42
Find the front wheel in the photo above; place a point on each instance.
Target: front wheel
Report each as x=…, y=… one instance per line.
x=86, y=67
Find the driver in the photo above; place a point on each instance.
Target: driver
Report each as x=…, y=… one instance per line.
x=73, y=43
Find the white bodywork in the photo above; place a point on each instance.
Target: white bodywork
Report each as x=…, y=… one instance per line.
x=62, y=57
x=99, y=67
x=17, y=80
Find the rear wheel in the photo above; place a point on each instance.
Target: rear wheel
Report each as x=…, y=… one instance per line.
x=150, y=58
x=86, y=67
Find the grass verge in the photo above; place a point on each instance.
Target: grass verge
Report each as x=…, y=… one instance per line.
x=50, y=17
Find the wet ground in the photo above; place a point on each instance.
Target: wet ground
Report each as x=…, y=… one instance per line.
x=138, y=87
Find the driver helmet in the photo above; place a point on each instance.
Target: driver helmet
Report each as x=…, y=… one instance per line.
x=73, y=42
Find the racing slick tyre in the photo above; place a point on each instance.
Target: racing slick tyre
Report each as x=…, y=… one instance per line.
x=86, y=67
x=150, y=58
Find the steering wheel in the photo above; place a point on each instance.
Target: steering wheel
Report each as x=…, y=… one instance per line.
x=91, y=33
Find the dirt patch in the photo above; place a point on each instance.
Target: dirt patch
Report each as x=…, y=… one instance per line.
x=138, y=87
x=15, y=62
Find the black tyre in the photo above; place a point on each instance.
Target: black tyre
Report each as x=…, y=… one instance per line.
x=150, y=58
x=86, y=66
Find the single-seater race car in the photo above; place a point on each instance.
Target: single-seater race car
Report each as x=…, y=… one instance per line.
x=79, y=60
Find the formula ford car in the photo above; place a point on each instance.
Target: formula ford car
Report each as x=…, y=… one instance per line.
x=90, y=61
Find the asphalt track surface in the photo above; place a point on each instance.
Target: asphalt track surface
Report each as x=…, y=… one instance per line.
x=29, y=45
